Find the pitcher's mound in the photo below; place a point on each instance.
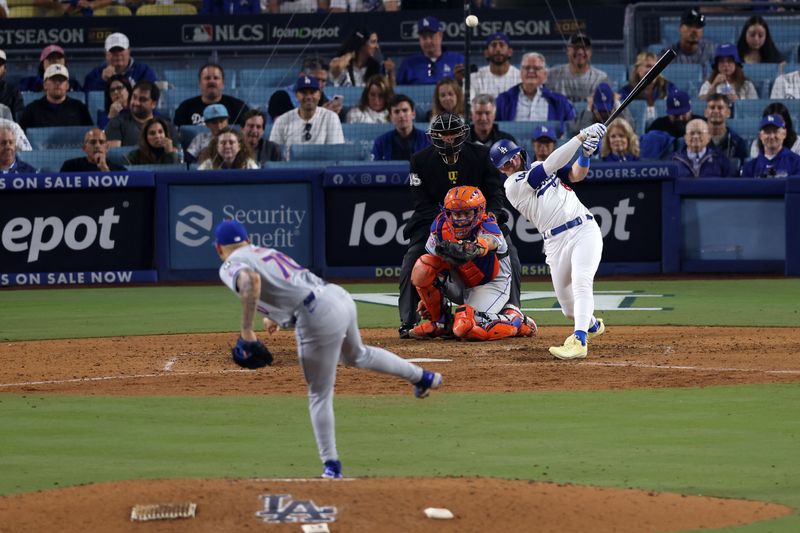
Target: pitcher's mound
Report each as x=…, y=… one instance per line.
x=373, y=504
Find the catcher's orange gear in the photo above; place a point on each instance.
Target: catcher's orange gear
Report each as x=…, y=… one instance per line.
x=423, y=277
x=464, y=208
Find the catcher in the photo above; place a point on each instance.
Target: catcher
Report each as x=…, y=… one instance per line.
x=467, y=262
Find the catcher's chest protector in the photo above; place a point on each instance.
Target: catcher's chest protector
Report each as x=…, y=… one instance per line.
x=480, y=270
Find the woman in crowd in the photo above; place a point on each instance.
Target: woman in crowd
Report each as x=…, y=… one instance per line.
x=755, y=43
x=355, y=61
x=791, y=141
x=51, y=55
x=727, y=76
x=373, y=107
x=657, y=90
x=447, y=96
x=227, y=150
x=117, y=98
x=155, y=145
x=620, y=142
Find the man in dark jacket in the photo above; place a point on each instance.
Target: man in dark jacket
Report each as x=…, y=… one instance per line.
x=699, y=159
x=724, y=139
x=95, y=145
x=404, y=140
x=483, y=129
x=679, y=113
x=450, y=162
x=9, y=94
x=55, y=108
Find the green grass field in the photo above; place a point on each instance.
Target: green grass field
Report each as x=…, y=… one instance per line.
x=739, y=441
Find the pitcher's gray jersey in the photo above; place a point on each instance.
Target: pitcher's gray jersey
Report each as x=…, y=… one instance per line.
x=284, y=283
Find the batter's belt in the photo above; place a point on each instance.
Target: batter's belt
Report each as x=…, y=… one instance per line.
x=565, y=226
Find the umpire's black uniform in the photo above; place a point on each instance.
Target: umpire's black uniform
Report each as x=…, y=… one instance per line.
x=430, y=179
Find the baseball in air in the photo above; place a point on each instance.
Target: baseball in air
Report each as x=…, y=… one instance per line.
x=471, y=21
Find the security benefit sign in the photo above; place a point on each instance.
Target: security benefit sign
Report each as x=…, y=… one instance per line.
x=66, y=237
x=364, y=226
x=275, y=215
x=628, y=213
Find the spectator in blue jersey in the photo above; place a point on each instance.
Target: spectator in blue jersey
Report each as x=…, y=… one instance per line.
x=698, y=158
x=620, y=143
x=118, y=61
x=230, y=7
x=531, y=100
x=50, y=55
x=9, y=162
x=775, y=160
x=404, y=140
x=432, y=63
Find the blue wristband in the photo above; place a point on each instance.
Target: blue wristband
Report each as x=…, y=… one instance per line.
x=583, y=161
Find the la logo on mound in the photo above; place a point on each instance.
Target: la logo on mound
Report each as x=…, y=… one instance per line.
x=193, y=226
x=282, y=509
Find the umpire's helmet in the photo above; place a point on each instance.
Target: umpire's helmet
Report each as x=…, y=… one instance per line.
x=503, y=150
x=448, y=124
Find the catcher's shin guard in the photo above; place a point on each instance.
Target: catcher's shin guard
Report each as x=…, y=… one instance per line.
x=465, y=327
x=423, y=277
x=526, y=327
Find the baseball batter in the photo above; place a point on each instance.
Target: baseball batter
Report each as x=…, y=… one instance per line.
x=573, y=243
x=467, y=261
x=324, y=316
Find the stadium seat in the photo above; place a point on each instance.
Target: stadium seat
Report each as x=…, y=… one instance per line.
x=177, y=167
x=365, y=132
x=185, y=78
x=119, y=156
x=50, y=160
x=174, y=9
x=113, y=11
x=753, y=109
x=617, y=73
x=421, y=94
x=327, y=152
x=172, y=98
x=95, y=101
x=187, y=133
x=686, y=77
x=21, y=12
x=56, y=137
x=270, y=77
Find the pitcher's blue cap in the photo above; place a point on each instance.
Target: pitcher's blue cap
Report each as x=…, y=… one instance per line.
x=230, y=232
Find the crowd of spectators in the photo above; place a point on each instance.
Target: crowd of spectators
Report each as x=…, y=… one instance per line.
x=573, y=94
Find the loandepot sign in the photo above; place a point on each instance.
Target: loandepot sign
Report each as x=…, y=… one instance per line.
x=541, y=300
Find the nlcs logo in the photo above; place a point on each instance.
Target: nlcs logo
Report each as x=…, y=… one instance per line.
x=281, y=509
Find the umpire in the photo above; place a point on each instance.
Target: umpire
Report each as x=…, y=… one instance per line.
x=450, y=162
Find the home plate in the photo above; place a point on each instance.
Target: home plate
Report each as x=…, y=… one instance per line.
x=428, y=360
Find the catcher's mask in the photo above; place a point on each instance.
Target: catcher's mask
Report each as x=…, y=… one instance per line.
x=448, y=132
x=464, y=208
x=504, y=150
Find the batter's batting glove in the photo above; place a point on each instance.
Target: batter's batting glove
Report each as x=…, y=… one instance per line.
x=251, y=354
x=595, y=130
x=590, y=145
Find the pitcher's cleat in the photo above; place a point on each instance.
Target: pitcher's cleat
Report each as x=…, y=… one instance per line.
x=571, y=349
x=601, y=328
x=430, y=380
x=333, y=470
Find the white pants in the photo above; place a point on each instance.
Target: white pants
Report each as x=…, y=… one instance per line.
x=488, y=298
x=573, y=257
x=327, y=331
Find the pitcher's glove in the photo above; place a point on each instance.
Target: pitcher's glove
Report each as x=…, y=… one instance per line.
x=459, y=252
x=251, y=354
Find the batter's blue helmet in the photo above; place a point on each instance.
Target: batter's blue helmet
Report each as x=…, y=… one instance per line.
x=502, y=151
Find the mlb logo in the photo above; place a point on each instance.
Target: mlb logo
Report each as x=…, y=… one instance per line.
x=197, y=33
x=408, y=30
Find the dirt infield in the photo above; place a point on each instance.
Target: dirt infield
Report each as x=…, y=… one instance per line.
x=626, y=357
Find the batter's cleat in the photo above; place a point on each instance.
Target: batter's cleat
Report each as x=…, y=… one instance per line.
x=405, y=330
x=430, y=380
x=571, y=349
x=601, y=328
x=332, y=470
x=426, y=331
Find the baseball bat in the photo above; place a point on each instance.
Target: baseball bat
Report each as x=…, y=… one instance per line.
x=646, y=80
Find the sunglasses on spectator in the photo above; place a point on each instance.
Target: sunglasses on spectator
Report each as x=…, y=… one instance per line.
x=307, y=130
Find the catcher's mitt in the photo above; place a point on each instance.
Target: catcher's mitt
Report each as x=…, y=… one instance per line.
x=251, y=354
x=458, y=252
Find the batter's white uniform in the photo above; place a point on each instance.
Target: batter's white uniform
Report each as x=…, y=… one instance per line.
x=573, y=243
x=326, y=329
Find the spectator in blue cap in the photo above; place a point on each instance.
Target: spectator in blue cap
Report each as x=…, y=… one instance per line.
x=432, y=62
x=775, y=161
x=691, y=47
x=544, y=142
x=727, y=76
x=309, y=123
x=679, y=112
x=499, y=75
x=601, y=104
x=216, y=118
x=698, y=158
